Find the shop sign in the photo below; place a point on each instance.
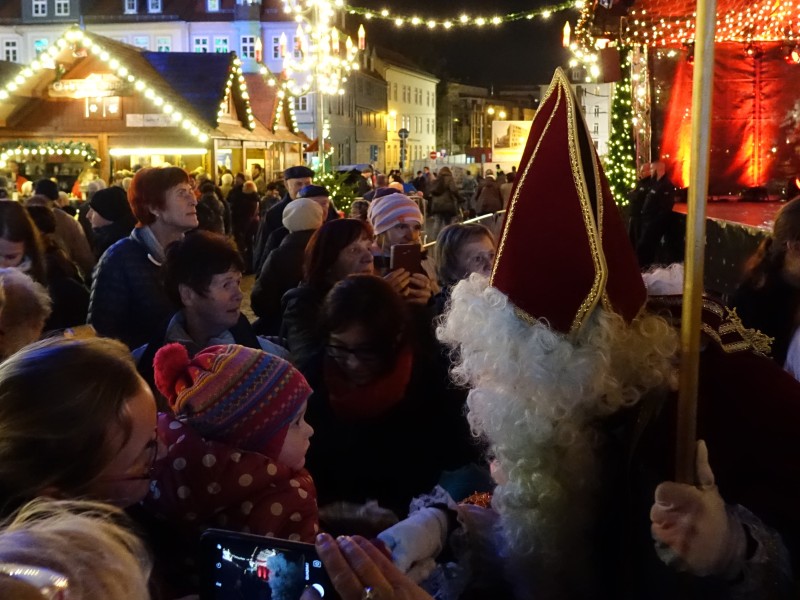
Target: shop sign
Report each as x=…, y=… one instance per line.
x=149, y=120
x=94, y=86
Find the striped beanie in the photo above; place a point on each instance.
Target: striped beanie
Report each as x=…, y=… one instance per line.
x=388, y=211
x=243, y=397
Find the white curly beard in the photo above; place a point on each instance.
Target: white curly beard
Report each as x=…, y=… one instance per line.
x=536, y=396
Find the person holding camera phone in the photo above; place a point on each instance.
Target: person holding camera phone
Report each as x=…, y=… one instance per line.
x=397, y=220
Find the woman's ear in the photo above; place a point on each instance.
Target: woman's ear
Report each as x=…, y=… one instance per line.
x=187, y=295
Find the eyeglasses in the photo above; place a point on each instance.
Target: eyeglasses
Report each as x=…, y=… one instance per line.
x=50, y=584
x=363, y=354
x=152, y=456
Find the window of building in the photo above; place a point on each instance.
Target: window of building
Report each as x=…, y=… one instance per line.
x=248, y=46
x=11, y=50
x=164, y=44
x=200, y=43
x=39, y=46
x=130, y=7
x=297, y=52
x=62, y=8
x=212, y=5
x=596, y=110
x=141, y=41
x=595, y=128
x=301, y=103
x=221, y=44
x=394, y=93
x=39, y=8
x=276, y=47
x=154, y=6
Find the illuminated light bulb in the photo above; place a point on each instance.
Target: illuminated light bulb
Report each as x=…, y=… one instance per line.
x=139, y=85
x=447, y=24
x=415, y=20
x=480, y=21
x=384, y=13
x=546, y=14
x=177, y=116
x=398, y=22
x=122, y=72
x=3, y=95
x=464, y=19
x=11, y=86
x=496, y=20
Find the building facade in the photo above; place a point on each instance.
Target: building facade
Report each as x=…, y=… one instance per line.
x=386, y=94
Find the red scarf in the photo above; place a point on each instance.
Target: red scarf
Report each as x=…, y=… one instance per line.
x=374, y=399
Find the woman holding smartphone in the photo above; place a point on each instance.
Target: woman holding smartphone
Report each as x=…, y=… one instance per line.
x=397, y=221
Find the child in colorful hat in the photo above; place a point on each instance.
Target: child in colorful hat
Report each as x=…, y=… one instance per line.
x=236, y=444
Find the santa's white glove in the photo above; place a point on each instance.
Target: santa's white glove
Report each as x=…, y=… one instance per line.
x=415, y=541
x=692, y=528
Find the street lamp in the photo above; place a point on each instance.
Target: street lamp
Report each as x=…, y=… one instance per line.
x=319, y=61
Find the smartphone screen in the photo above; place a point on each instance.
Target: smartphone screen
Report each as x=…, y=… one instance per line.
x=406, y=256
x=239, y=566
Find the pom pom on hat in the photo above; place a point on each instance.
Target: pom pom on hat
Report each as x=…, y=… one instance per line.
x=240, y=396
x=302, y=214
x=388, y=211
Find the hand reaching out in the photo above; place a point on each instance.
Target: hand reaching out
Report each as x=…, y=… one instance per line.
x=359, y=571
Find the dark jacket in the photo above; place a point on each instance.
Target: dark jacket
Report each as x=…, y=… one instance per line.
x=128, y=300
x=299, y=324
x=282, y=271
x=105, y=237
x=393, y=457
x=272, y=221
x=773, y=309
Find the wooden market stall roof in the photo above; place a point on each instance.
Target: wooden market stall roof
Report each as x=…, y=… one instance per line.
x=192, y=89
x=275, y=113
x=671, y=23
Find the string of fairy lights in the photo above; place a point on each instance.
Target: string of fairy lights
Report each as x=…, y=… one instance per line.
x=462, y=19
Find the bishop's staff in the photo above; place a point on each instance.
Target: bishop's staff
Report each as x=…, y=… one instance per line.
x=702, y=90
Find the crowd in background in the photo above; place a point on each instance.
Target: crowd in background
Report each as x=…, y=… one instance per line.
x=131, y=376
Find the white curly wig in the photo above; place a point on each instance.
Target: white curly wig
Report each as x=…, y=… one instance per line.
x=538, y=397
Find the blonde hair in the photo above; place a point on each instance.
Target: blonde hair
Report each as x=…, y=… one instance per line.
x=26, y=308
x=88, y=542
x=539, y=397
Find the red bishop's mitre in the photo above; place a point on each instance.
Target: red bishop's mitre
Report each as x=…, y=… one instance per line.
x=564, y=249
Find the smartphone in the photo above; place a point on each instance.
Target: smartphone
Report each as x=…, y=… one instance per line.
x=240, y=566
x=406, y=256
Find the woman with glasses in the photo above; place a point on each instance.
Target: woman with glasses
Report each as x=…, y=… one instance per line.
x=461, y=249
x=383, y=416
x=339, y=248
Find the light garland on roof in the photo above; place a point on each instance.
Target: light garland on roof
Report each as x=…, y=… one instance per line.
x=274, y=81
x=462, y=20
x=29, y=148
x=237, y=76
x=77, y=38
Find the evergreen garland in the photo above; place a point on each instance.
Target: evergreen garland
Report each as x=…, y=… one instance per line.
x=621, y=159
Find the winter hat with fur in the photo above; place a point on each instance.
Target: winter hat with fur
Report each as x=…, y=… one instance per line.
x=239, y=396
x=302, y=214
x=388, y=211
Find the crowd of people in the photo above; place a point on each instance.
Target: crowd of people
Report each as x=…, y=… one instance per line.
x=492, y=419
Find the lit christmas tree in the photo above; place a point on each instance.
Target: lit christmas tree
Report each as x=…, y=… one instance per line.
x=621, y=160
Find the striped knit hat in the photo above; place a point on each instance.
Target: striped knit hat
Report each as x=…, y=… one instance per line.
x=388, y=211
x=239, y=396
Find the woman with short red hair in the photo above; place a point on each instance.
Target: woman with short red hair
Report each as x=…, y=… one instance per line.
x=128, y=299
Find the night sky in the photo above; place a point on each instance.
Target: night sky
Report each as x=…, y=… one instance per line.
x=523, y=52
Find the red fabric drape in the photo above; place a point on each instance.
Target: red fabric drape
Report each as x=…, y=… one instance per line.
x=755, y=119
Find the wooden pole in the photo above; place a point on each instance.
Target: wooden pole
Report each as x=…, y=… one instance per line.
x=702, y=90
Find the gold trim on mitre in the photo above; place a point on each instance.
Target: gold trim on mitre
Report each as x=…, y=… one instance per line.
x=560, y=85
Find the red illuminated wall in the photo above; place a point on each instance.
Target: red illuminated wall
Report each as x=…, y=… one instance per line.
x=755, y=126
